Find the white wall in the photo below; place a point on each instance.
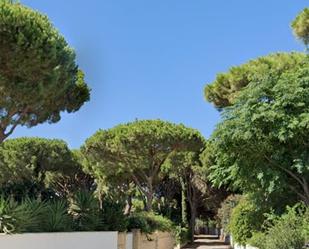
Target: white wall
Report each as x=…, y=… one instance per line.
x=242, y=247
x=74, y=240
x=236, y=246
x=129, y=241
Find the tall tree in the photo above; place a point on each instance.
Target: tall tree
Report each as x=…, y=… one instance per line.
x=185, y=167
x=262, y=142
x=204, y=200
x=301, y=26
x=224, y=90
x=39, y=77
x=137, y=151
x=34, y=163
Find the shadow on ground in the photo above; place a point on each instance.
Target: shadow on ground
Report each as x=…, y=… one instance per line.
x=207, y=242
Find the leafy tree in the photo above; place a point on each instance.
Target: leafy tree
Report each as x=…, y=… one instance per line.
x=39, y=77
x=301, y=26
x=28, y=162
x=224, y=90
x=262, y=143
x=136, y=152
x=185, y=168
x=74, y=179
x=225, y=211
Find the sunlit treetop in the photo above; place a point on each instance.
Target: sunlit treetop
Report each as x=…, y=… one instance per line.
x=223, y=91
x=301, y=26
x=39, y=77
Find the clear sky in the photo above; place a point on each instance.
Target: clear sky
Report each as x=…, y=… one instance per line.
x=152, y=59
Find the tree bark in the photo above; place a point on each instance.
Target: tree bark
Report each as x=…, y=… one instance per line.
x=149, y=200
x=306, y=191
x=191, y=192
x=183, y=203
x=128, y=205
x=192, y=220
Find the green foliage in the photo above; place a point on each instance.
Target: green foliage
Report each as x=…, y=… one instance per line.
x=112, y=215
x=201, y=224
x=149, y=222
x=225, y=211
x=27, y=165
x=182, y=235
x=135, y=152
x=84, y=208
x=301, y=26
x=21, y=217
x=6, y=219
x=225, y=89
x=39, y=77
x=57, y=218
x=284, y=232
x=261, y=144
x=82, y=213
x=245, y=219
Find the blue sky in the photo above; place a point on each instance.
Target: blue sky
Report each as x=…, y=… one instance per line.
x=152, y=59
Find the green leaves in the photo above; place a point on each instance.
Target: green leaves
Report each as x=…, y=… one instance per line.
x=84, y=208
x=227, y=86
x=39, y=77
x=35, y=163
x=301, y=26
x=262, y=142
x=135, y=152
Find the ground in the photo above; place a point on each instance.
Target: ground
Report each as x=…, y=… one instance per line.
x=207, y=242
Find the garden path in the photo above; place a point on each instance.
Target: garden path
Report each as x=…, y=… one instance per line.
x=207, y=242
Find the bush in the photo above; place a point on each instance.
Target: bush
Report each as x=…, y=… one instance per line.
x=112, y=215
x=21, y=217
x=149, y=222
x=182, y=235
x=225, y=211
x=57, y=218
x=200, y=225
x=244, y=221
x=284, y=232
x=84, y=208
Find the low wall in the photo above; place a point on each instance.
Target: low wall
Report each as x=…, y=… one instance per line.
x=236, y=246
x=76, y=240
x=125, y=241
x=243, y=247
x=138, y=240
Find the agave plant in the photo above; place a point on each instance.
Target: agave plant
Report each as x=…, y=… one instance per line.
x=84, y=208
x=6, y=220
x=57, y=218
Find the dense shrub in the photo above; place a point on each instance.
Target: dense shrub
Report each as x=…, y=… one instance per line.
x=182, y=235
x=57, y=218
x=284, y=232
x=149, y=222
x=84, y=208
x=21, y=217
x=200, y=225
x=112, y=215
x=225, y=211
x=82, y=213
x=245, y=220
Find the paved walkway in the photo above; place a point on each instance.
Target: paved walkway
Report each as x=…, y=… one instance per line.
x=207, y=242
